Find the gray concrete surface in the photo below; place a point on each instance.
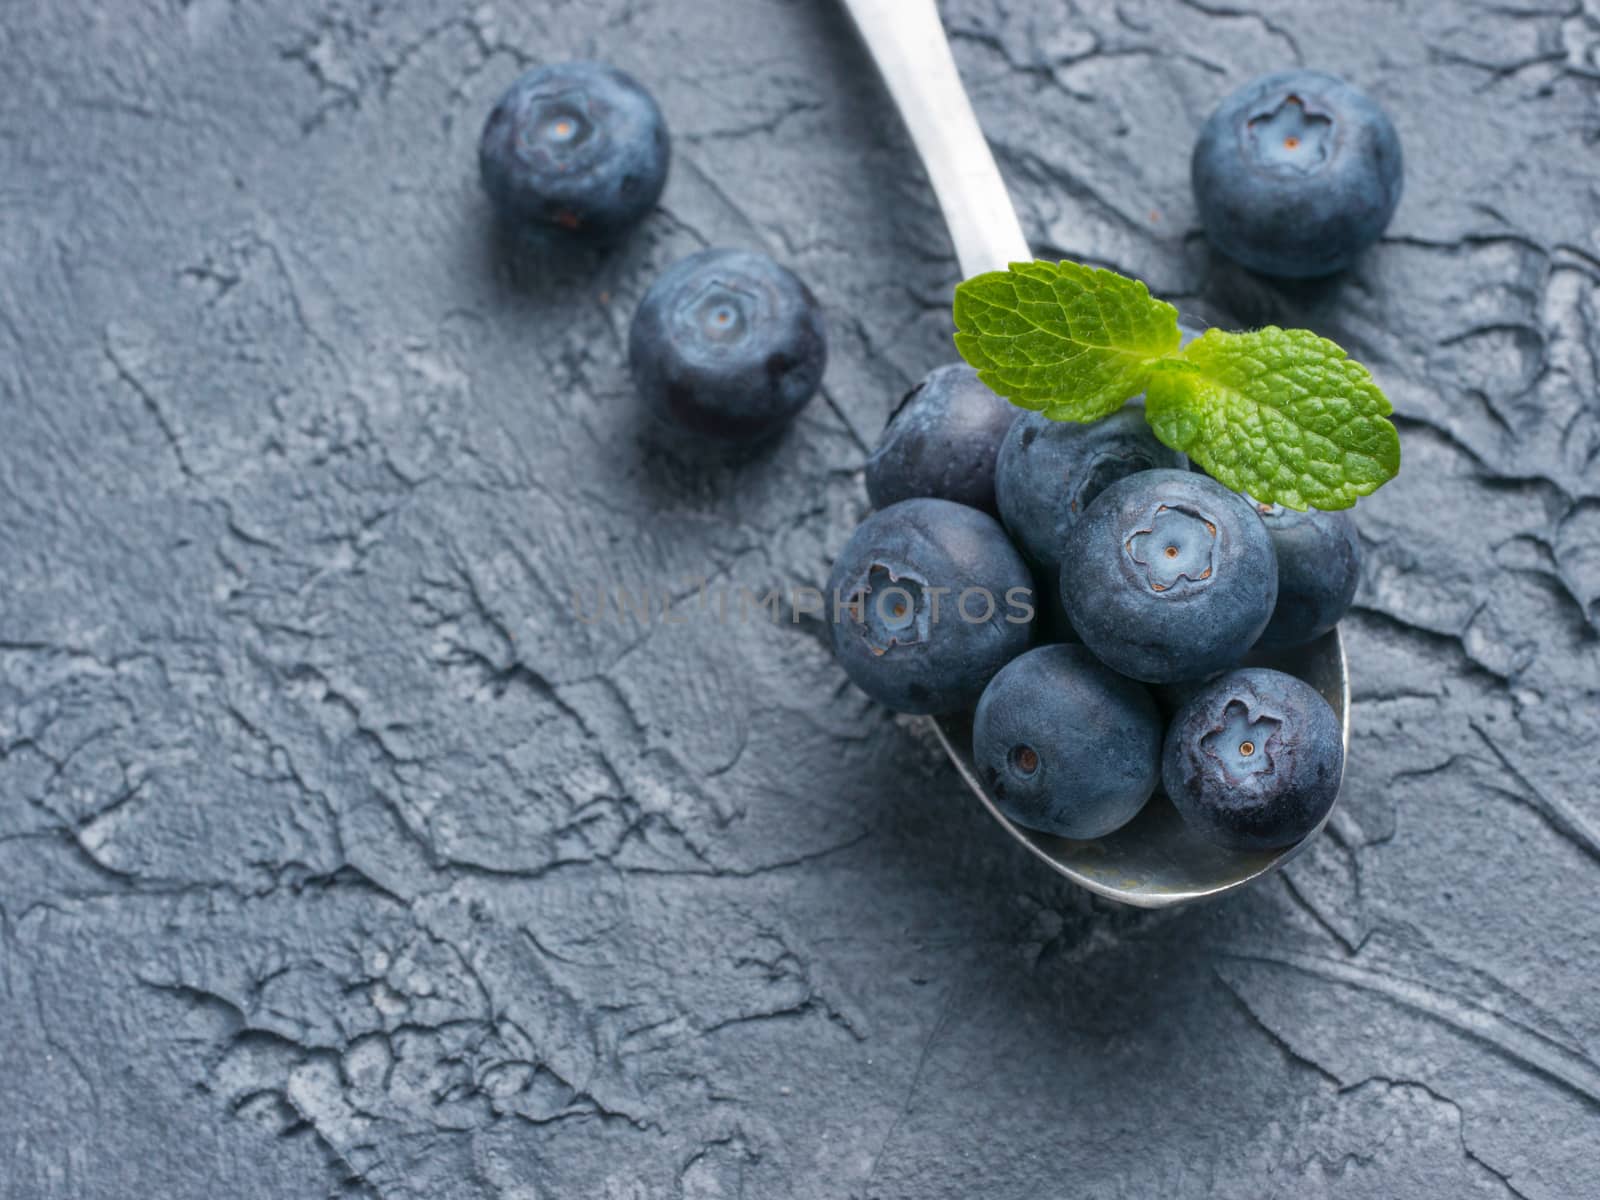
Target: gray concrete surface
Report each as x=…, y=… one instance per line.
x=338, y=858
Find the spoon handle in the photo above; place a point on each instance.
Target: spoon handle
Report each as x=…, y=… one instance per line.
x=908, y=43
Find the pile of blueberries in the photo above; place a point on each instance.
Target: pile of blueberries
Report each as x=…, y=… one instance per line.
x=1140, y=584
x=1147, y=583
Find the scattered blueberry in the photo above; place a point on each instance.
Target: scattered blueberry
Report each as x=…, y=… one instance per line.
x=727, y=344
x=1319, y=566
x=1049, y=472
x=578, y=148
x=942, y=441
x=1169, y=576
x=1253, y=761
x=1296, y=173
x=1065, y=745
x=929, y=599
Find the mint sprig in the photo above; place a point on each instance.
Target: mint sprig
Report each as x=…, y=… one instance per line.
x=1073, y=342
x=1282, y=414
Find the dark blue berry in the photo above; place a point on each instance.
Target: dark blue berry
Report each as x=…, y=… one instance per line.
x=576, y=149
x=1254, y=760
x=942, y=441
x=1065, y=745
x=1319, y=566
x=1049, y=472
x=928, y=600
x=1169, y=576
x=728, y=345
x=1296, y=173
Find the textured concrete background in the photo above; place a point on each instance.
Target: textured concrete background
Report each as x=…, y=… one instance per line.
x=338, y=858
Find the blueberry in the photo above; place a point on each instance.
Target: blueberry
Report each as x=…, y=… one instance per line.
x=929, y=599
x=1049, y=472
x=1296, y=173
x=1169, y=576
x=941, y=441
x=1253, y=761
x=1319, y=566
x=1065, y=745
x=727, y=344
x=577, y=149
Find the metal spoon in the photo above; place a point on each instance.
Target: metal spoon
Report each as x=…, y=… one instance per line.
x=1153, y=861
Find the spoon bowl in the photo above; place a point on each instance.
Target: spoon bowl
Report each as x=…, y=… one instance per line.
x=1154, y=861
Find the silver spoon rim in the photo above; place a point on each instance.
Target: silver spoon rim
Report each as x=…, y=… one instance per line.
x=954, y=734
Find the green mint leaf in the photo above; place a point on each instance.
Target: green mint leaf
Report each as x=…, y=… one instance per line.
x=1282, y=414
x=1073, y=342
